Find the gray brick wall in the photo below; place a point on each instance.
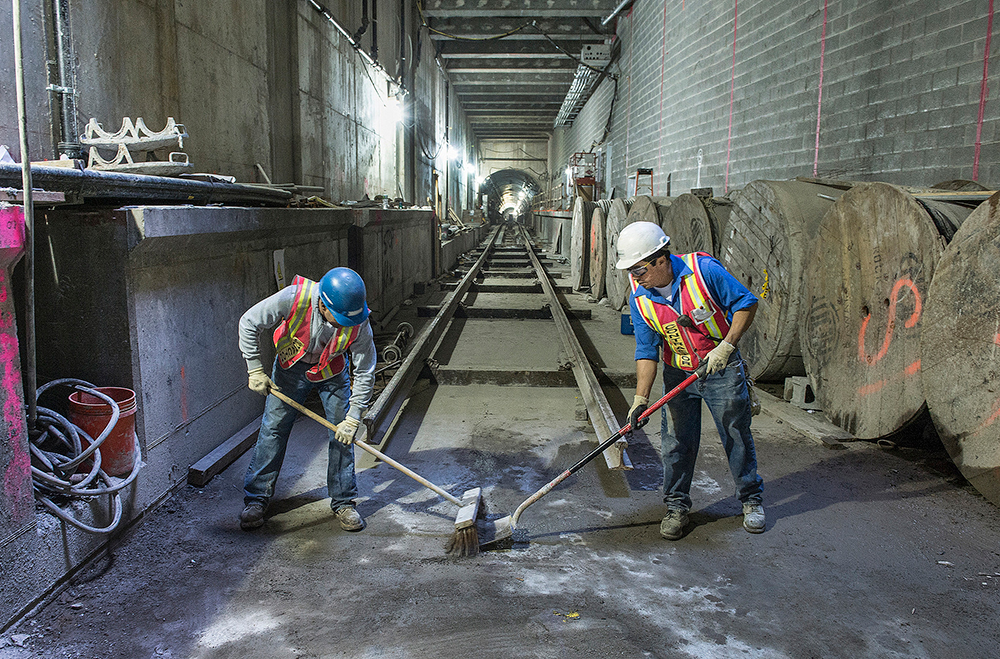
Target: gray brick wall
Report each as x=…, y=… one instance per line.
x=900, y=98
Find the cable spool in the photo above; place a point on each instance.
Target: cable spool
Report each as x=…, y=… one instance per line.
x=579, y=251
x=616, y=281
x=958, y=348
x=867, y=280
x=766, y=245
x=598, y=248
x=687, y=222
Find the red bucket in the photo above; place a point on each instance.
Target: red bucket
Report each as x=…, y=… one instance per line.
x=93, y=414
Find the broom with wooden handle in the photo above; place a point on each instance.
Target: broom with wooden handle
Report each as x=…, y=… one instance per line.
x=464, y=540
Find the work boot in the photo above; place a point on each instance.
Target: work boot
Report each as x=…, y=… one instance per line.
x=349, y=518
x=252, y=516
x=753, y=517
x=672, y=526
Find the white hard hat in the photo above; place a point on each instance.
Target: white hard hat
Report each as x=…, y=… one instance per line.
x=638, y=241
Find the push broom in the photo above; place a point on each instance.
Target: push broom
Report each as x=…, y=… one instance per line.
x=464, y=540
x=496, y=533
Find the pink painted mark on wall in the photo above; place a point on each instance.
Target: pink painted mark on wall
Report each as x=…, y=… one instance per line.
x=732, y=95
x=17, y=472
x=891, y=326
x=989, y=421
x=11, y=235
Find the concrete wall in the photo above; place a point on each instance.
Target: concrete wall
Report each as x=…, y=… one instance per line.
x=901, y=93
x=33, y=36
x=255, y=82
x=149, y=298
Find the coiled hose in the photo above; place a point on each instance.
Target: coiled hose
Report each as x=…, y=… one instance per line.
x=57, y=451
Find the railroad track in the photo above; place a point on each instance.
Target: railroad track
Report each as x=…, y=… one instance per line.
x=504, y=281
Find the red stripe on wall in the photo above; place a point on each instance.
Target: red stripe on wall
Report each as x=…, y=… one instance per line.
x=732, y=89
x=983, y=93
x=819, y=102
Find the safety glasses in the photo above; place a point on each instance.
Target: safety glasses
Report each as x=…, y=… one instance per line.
x=642, y=268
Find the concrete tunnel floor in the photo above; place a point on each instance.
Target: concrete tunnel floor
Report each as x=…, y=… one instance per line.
x=867, y=553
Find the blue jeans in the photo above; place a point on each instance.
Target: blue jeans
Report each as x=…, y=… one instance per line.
x=276, y=425
x=726, y=395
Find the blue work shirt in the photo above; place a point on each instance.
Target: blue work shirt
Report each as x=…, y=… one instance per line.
x=731, y=295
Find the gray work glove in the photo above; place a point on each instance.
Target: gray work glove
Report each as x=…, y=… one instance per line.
x=346, y=430
x=718, y=357
x=259, y=382
x=639, y=405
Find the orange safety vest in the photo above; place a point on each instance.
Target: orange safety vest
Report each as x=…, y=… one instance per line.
x=291, y=337
x=687, y=345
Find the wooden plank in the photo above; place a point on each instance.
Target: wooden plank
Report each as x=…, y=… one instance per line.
x=201, y=472
x=814, y=426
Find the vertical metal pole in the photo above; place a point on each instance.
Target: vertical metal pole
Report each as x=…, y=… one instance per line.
x=29, y=221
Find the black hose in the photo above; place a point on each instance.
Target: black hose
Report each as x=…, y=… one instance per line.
x=56, y=447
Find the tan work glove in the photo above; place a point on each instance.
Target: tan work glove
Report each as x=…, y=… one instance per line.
x=259, y=382
x=639, y=405
x=719, y=356
x=346, y=430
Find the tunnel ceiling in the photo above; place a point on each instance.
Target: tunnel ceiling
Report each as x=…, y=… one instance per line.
x=513, y=87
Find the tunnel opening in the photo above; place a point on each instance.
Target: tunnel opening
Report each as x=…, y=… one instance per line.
x=509, y=193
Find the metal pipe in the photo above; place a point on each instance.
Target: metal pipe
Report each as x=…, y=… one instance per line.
x=96, y=184
x=374, y=30
x=29, y=222
x=617, y=11
x=364, y=21
x=70, y=143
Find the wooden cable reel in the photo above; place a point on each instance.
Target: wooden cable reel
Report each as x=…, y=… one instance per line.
x=867, y=280
x=766, y=245
x=579, y=252
x=616, y=281
x=687, y=223
x=959, y=346
x=598, y=248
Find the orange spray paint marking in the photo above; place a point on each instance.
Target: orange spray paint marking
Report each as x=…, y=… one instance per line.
x=890, y=328
x=875, y=387
x=990, y=421
x=184, y=397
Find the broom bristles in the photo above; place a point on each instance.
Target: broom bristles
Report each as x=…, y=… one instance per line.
x=463, y=542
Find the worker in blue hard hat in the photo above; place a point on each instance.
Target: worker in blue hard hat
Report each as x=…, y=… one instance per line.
x=316, y=325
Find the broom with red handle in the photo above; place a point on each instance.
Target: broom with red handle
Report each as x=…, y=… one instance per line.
x=495, y=533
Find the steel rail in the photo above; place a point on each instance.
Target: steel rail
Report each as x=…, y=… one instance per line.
x=383, y=411
x=598, y=409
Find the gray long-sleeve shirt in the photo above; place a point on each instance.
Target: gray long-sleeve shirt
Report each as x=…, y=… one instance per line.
x=266, y=314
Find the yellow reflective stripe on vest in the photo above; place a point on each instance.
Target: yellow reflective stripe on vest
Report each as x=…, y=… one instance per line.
x=697, y=289
x=343, y=338
x=301, y=305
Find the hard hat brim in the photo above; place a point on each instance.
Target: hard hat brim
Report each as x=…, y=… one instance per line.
x=350, y=321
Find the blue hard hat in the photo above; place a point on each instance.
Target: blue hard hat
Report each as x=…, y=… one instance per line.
x=343, y=293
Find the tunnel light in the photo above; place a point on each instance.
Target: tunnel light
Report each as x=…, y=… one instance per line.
x=451, y=153
x=394, y=111
x=470, y=169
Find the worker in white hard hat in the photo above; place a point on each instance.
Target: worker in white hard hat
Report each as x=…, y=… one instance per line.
x=693, y=308
x=316, y=326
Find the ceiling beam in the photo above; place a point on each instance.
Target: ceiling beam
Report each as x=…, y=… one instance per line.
x=517, y=36
x=503, y=55
x=481, y=71
x=515, y=13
